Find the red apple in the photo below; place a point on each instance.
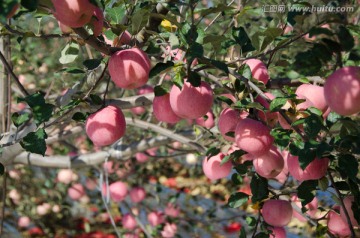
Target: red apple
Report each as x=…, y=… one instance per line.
x=73, y=13
x=24, y=221
x=118, y=191
x=129, y=222
x=171, y=210
x=106, y=126
x=348, y=200
x=155, y=218
x=314, y=96
x=277, y=232
x=213, y=169
x=270, y=118
x=259, y=70
x=232, y=227
x=207, y=122
x=97, y=21
x=270, y=164
x=65, y=176
x=337, y=226
x=129, y=69
x=228, y=120
x=76, y=191
x=169, y=230
x=253, y=137
x=191, y=102
x=342, y=90
x=142, y=90
x=137, y=194
x=162, y=110
x=277, y=212
x=315, y=170
x=311, y=208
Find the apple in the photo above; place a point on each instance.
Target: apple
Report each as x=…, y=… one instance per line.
x=284, y=174
x=56, y=208
x=348, y=200
x=171, y=210
x=311, y=208
x=315, y=170
x=232, y=227
x=141, y=157
x=129, y=69
x=270, y=164
x=270, y=118
x=277, y=212
x=191, y=102
x=123, y=39
x=155, y=218
x=73, y=13
x=105, y=126
x=253, y=137
x=129, y=222
x=43, y=209
x=277, y=232
x=314, y=96
x=24, y=221
x=169, y=230
x=342, y=90
x=213, y=169
x=162, y=110
x=207, y=122
x=14, y=195
x=259, y=70
x=118, y=191
x=137, y=194
x=65, y=176
x=76, y=191
x=336, y=225
x=97, y=21
x=228, y=120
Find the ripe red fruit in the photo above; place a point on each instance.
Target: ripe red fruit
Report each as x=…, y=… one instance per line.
x=191, y=102
x=106, y=126
x=163, y=111
x=213, y=169
x=76, y=191
x=97, y=21
x=342, y=90
x=348, y=203
x=208, y=123
x=314, y=96
x=315, y=170
x=337, y=225
x=129, y=222
x=270, y=118
x=253, y=137
x=277, y=232
x=232, y=227
x=277, y=212
x=311, y=208
x=118, y=191
x=270, y=164
x=73, y=13
x=129, y=68
x=155, y=218
x=137, y=194
x=258, y=70
x=228, y=120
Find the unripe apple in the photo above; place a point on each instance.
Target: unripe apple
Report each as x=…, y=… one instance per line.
x=315, y=170
x=65, y=176
x=253, y=137
x=191, y=102
x=228, y=120
x=76, y=191
x=73, y=13
x=171, y=210
x=106, y=126
x=24, y=221
x=155, y=218
x=270, y=164
x=277, y=212
x=129, y=222
x=163, y=111
x=336, y=225
x=277, y=232
x=208, y=123
x=213, y=169
x=169, y=230
x=129, y=69
x=348, y=200
x=137, y=194
x=118, y=191
x=259, y=70
x=342, y=90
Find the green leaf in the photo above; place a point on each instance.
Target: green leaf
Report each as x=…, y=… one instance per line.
x=196, y=50
x=226, y=100
x=238, y=199
x=259, y=188
x=194, y=79
x=160, y=91
x=174, y=41
x=236, y=179
x=241, y=37
x=307, y=155
x=79, y=117
x=306, y=191
x=251, y=221
x=323, y=183
x=31, y=5
x=2, y=169
x=116, y=14
x=242, y=233
x=212, y=151
x=282, y=136
x=18, y=119
x=96, y=99
x=139, y=19
x=69, y=53
x=243, y=168
x=261, y=40
x=72, y=70
x=348, y=166
x=219, y=8
x=91, y=64
x=262, y=235
x=346, y=39
x=42, y=111
x=159, y=67
x=277, y=103
x=220, y=65
x=312, y=125
x=34, y=142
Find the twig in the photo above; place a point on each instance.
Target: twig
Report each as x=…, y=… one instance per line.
x=3, y=203
x=256, y=225
x=342, y=204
